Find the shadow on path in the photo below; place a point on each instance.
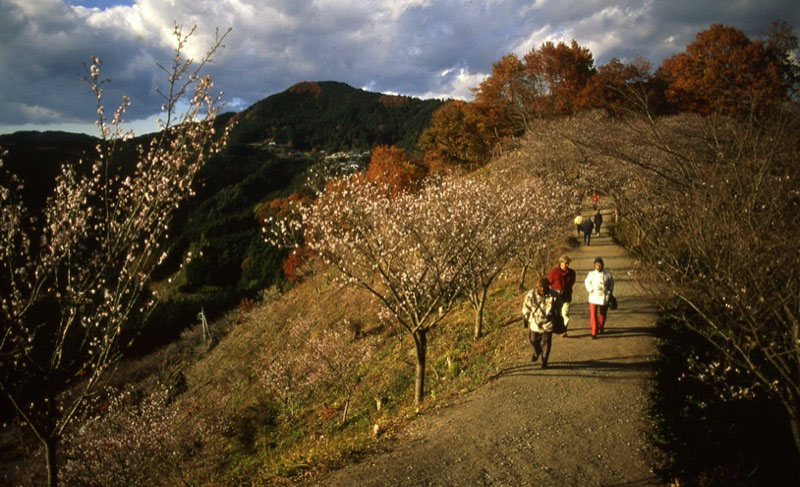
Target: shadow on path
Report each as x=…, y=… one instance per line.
x=610, y=364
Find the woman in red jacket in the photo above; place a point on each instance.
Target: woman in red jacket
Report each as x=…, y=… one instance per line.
x=561, y=278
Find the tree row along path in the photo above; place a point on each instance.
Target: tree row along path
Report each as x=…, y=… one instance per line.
x=582, y=421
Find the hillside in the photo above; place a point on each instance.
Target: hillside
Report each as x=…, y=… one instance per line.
x=334, y=116
x=300, y=382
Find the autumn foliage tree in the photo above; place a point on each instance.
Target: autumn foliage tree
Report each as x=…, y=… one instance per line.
x=620, y=88
x=551, y=80
x=458, y=135
x=388, y=165
x=784, y=50
x=723, y=71
x=505, y=98
x=559, y=74
x=75, y=287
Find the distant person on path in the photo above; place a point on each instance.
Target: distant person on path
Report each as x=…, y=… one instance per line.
x=598, y=220
x=586, y=228
x=561, y=279
x=577, y=221
x=599, y=284
x=540, y=309
x=595, y=200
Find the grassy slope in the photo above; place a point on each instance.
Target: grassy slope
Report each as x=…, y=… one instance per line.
x=290, y=440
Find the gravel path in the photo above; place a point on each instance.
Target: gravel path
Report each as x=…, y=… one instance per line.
x=580, y=422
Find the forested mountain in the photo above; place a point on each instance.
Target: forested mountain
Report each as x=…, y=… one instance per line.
x=334, y=116
x=216, y=241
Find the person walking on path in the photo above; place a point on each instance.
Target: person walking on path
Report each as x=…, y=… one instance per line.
x=598, y=220
x=595, y=200
x=599, y=284
x=577, y=221
x=561, y=279
x=586, y=228
x=539, y=311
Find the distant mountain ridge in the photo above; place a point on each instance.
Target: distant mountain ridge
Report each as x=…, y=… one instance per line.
x=333, y=116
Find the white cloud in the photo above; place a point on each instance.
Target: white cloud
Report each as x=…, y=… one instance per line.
x=397, y=46
x=457, y=84
x=37, y=113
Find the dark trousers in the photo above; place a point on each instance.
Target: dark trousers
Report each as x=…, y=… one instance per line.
x=587, y=237
x=541, y=344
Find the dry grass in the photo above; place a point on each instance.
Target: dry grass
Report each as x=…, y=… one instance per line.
x=287, y=443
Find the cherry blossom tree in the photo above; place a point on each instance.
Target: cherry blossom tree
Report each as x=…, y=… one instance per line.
x=132, y=443
x=420, y=252
x=75, y=286
x=407, y=250
x=519, y=213
x=317, y=353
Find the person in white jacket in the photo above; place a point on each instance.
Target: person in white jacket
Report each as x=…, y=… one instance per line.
x=540, y=309
x=599, y=284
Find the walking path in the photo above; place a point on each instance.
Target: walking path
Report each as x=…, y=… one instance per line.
x=580, y=422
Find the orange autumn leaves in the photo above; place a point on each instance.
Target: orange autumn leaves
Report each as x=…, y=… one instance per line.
x=722, y=71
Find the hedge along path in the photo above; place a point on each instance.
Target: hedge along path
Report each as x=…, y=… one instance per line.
x=582, y=421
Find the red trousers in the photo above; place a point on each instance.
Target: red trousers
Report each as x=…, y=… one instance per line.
x=597, y=318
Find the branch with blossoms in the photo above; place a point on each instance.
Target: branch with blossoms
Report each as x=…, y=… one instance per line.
x=128, y=444
x=77, y=275
x=340, y=358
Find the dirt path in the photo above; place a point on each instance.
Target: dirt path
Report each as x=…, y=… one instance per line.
x=580, y=422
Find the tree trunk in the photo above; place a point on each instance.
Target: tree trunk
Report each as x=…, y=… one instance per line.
x=521, y=283
x=50, y=458
x=479, y=306
x=421, y=342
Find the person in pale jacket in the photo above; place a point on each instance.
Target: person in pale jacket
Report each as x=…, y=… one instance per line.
x=599, y=284
x=541, y=307
x=577, y=222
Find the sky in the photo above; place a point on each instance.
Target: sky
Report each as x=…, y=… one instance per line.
x=422, y=48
